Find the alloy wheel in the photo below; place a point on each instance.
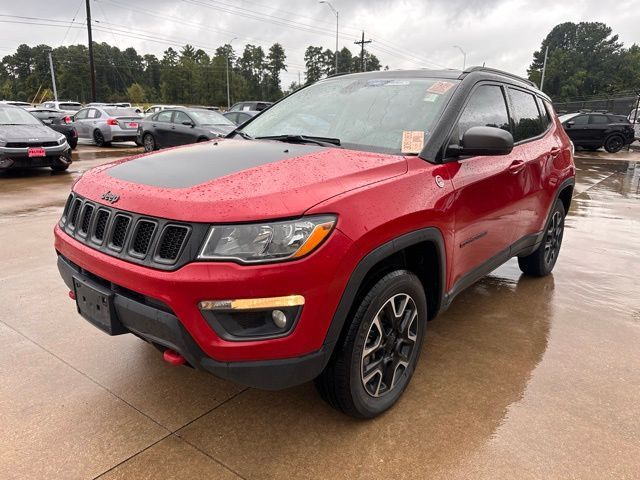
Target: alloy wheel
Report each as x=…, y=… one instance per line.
x=389, y=345
x=553, y=238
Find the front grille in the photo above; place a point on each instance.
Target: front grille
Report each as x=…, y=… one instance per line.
x=101, y=225
x=31, y=145
x=119, y=233
x=86, y=219
x=74, y=212
x=171, y=242
x=142, y=237
x=155, y=242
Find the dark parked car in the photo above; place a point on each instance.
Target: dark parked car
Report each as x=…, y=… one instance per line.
x=59, y=121
x=252, y=105
x=26, y=142
x=240, y=117
x=180, y=126
x=595, y=130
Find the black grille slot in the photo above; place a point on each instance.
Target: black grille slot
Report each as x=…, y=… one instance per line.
x=31, y=145
x=171, y=242
x=67, y=206
x=142, y=237
x=119, y=234
x=75, y=211
x=101, y=225
x=86, y=219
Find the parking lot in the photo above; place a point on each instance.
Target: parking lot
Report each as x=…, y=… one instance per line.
x=520, y=378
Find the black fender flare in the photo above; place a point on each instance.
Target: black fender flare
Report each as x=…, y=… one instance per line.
x=365, y=265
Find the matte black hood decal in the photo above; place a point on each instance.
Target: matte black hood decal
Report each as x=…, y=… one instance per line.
x=203, y=162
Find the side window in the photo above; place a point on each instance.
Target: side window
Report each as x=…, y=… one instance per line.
x=544, y=113
x=164, y=116
x=598, y=119
x=580, y=120
x=180, y=117
x=526, y=115
x=242, y=117
x=486, y=108
x=93, y=113
x=81, y=115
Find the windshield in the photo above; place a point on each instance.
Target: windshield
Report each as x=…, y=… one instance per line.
x=121, y=112
x=209, y=117
x=72, y=107
x=17, y=116
x=363, y=113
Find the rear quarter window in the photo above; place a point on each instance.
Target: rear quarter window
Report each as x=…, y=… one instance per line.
x=526, y=117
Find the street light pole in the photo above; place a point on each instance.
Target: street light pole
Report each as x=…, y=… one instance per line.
x=544, y=67
x=53, y=78
x=464, y=56
x=337, y=14
x=228, y=93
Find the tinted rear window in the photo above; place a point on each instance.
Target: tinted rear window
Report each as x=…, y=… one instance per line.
x=121, y=112
x=70, y=106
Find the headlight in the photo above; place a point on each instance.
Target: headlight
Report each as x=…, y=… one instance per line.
x=215, y=134
x=267, y=242
x=62, y=139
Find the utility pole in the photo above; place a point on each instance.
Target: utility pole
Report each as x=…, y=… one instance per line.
x=361, y=43
x=228, y=94
x=335, y=12
x=464, y=57
x=544, y=66
x=53, y=78
x=91, y=65
x=299, y=84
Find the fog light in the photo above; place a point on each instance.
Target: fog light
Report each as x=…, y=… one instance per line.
x=279, y=318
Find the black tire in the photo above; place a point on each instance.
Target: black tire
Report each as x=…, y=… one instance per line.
x=592, y=149
x=98, y=139
x=614, y=143
x=149, y=143
x=356, y=382
x=59, y=167
x=73, y=144
x=541, y=262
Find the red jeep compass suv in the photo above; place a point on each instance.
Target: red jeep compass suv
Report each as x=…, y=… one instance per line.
x=316, y=241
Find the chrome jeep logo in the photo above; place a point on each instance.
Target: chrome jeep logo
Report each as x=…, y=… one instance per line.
x=110, y=197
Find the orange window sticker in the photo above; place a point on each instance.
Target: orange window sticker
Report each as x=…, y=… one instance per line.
x=440, y=87
x=412, y=141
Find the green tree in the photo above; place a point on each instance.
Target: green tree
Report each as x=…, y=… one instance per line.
x=135, y=93
x=275, y=64
x=584, y=59
x=314, y=64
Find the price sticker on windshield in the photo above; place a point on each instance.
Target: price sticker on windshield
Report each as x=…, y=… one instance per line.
x=440, y=88
x=412, y=141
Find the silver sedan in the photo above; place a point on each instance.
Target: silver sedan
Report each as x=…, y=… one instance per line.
x=104, y=125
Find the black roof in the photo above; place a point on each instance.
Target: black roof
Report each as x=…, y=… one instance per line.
x=451, y=74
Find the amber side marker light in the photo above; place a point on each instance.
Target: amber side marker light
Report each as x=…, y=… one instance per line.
x=319, y=233
x=253, y=303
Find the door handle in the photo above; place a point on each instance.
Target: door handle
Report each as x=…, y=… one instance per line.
x=555, y=151
x=173, y=128
x=517, y=166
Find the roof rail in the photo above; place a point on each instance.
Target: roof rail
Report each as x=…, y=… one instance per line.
x=500, y=72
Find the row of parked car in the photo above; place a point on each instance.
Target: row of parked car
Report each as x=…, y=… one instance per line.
x=44, y=136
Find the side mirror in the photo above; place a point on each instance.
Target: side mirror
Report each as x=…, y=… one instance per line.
x=483, y=141
x=188, y=124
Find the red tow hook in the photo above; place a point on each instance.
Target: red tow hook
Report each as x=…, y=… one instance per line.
x=72, y=295
x=173, y=357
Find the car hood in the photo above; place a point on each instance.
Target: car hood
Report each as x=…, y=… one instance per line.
x=224, y=129
x=27, y=133
x=236, y=180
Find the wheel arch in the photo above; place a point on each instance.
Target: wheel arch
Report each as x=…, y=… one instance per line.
x=421, y=252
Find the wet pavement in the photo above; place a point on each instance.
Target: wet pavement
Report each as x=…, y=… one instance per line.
x=521, y=378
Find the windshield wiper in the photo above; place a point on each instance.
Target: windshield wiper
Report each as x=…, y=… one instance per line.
x=322, y=141
x=237, y=131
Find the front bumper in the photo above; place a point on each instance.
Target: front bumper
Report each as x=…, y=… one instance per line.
x=163, y=329
x=19, y=157
x=297, y=357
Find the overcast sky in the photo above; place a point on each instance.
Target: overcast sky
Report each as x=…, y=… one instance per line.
x=406, y=33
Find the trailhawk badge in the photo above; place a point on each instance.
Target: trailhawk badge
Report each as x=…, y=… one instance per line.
x=110, y=197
